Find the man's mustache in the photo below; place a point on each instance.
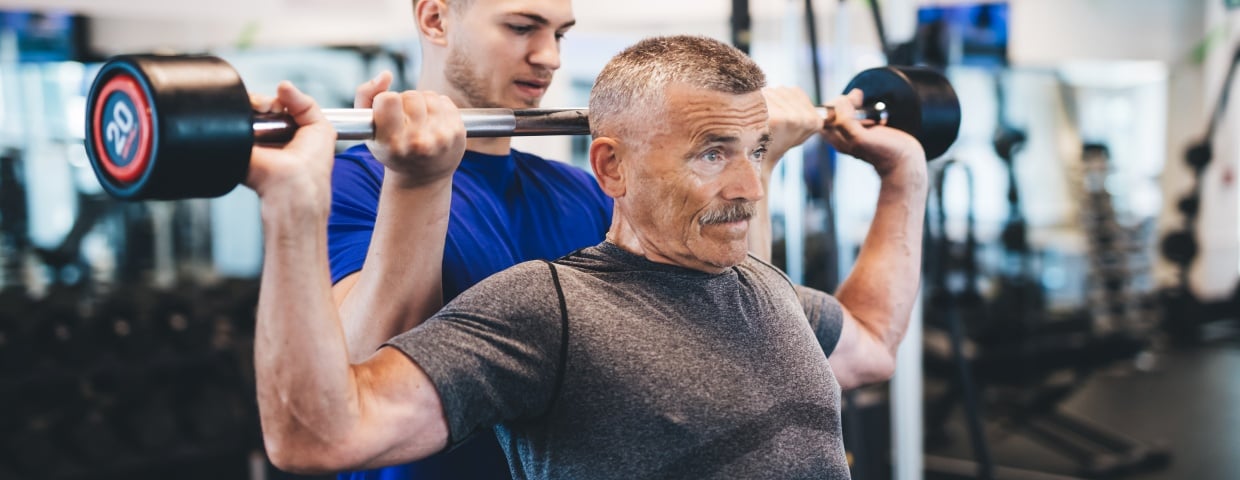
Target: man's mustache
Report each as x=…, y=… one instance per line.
x=732, y=212
x=542, y=75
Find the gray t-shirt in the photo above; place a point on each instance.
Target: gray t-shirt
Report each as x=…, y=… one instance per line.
x=645, y=370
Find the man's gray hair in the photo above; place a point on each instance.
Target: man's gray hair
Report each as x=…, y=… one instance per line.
x=634, y=82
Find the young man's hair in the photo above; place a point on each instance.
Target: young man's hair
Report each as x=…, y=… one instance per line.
x=458, y=6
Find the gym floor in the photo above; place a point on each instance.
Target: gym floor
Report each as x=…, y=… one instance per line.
x=1189, y=401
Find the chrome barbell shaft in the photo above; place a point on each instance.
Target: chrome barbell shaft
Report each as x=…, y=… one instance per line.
x=358, y=123
x=868, y=115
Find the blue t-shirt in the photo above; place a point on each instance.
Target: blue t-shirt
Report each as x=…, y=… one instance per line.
x=505, y=210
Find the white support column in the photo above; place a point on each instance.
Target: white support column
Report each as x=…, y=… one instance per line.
x=906, y=404
x=794, y=214
x=792, y=166
x=900, y=18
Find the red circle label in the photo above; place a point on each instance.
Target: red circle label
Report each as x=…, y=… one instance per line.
x=121, y=128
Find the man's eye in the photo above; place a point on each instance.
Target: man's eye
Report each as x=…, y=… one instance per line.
x=759, y=154
x=712, y=156
x=520, y=29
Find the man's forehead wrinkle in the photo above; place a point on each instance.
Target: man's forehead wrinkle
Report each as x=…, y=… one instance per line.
x=719, y=128
x=738, y=114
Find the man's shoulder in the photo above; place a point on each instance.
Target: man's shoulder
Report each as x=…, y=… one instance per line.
x=356, y=166
x=356, y=180
x=763, y=269
x=546, y=166
x=532, y=277
x=521, y=290
x=537, y=159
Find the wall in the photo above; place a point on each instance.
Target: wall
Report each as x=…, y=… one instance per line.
x=1214, y=273
x=184, y=25
x=1046, y=32
x=126, y=26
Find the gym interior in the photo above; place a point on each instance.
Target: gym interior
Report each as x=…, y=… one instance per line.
x=1080, y=285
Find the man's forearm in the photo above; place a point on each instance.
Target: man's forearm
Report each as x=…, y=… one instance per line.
x=883, y=285
x=401, y=282
x=306, y=391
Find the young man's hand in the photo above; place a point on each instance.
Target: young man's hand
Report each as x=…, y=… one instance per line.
x=419, y=136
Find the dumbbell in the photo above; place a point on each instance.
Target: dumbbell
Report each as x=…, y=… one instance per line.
x=168, y=127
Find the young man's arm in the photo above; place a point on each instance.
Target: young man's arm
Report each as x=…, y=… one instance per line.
x=400, y=283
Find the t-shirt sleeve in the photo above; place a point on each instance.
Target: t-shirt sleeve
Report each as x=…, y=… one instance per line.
x=825, y=315
x=494, y=352
x=355, y=203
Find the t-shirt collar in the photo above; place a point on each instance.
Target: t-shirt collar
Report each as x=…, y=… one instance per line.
x=630, y=259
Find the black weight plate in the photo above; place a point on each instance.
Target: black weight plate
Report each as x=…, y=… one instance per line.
x=940, y=109
x=919, y=101
x=200, y=122
x=122, y=138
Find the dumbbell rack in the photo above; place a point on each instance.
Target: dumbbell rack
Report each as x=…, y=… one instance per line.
x=1120, y=279
x=138, y=383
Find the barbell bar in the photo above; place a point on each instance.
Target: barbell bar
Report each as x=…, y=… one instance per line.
x=171, y=127
x=358, y=123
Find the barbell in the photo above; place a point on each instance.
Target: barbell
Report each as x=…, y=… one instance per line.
x=171, y=127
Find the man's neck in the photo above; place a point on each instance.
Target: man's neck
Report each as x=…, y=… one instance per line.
x=489, y=146
x=623, y=235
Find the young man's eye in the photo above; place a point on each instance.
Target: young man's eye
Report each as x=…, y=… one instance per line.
x=712, y=156
x=759, y=154
x=520, y=29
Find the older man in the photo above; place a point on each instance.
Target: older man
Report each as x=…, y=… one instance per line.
x=500, y=207
x=665, y=351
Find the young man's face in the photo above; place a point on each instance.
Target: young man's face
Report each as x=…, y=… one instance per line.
x=502, y=53
x=698, y=182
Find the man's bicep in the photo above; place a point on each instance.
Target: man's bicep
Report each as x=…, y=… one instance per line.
x=859, y=354
x=402, y=417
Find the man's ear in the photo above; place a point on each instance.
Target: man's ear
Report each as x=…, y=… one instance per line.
x=430, y=16
x=605, y=160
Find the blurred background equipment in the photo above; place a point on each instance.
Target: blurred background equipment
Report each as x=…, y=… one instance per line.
x=126, y=328
x=1186, y=313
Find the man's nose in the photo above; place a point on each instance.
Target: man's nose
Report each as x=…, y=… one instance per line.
x=743, y=181
x=545, y=50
